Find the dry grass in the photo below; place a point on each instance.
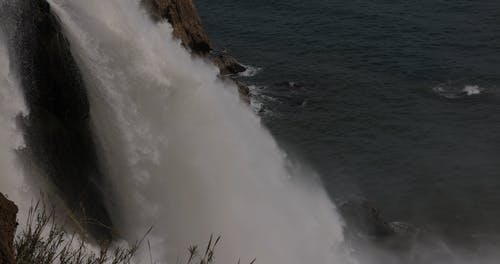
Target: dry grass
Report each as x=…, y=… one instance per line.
x=43, y=241
x=208, y=255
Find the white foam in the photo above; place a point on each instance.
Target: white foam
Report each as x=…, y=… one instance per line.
x=452, y=91
x=250, y=71
x=472, y=90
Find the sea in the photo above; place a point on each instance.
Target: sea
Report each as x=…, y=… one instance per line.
x=392, y=102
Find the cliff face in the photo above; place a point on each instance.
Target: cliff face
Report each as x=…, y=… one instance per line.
x=8, y=224
x=182, y=15
x=57, y=131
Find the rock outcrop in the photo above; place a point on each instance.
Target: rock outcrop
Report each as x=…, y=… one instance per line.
x=182, y=15
x=226, y=63
x=8, y=225
x=363, y=220
x=57, y=131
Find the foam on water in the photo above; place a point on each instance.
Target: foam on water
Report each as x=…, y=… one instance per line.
x=250, y=71
x=472, y=90
x=453, y=91
x=184, y=155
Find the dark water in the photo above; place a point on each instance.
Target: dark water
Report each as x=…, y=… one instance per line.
x=378, y=105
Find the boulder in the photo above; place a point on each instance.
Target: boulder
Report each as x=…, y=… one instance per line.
x=8, y=225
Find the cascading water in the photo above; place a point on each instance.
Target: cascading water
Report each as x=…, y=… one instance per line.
x=12, y=180
x=183, y=154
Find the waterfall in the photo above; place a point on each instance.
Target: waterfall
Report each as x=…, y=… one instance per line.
x=181, y=152
x=13, y=182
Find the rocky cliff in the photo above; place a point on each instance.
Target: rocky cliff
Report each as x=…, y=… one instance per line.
x=187, y=27
x=8, y=224
x=186, y=23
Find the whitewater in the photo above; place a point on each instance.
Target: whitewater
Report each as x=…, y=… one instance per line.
x=13, y=180
x=182, y=153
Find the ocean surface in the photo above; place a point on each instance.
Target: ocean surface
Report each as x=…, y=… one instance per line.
x=395, y=102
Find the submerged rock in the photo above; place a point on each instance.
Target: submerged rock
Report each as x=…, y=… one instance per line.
x=365, y=220
x=243, y=89
x=8, y=225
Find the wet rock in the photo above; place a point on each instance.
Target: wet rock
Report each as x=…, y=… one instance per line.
x=227, y=63
x=243, y=88
x=186, y=23
x=8, y=225
x=182, y=15
x=363, y=218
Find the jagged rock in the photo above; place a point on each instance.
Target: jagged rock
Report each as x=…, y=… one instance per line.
x=182, y=15
x=227, y=63
x=8, y=225
x=185, y=21
x=243, y=89
x=57, y=131
x=365, y=219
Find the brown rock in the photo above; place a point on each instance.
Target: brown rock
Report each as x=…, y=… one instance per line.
x=185, y=21
x=8, y=225
x=227, y=64
x=244, y=90
x=182, y=15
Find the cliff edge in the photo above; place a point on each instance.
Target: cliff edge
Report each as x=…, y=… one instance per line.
x=8, y=224
x=187, y=27
x=185, y=21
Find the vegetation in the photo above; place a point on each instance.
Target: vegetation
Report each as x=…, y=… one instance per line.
x=44, y=241
x=208, y=255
